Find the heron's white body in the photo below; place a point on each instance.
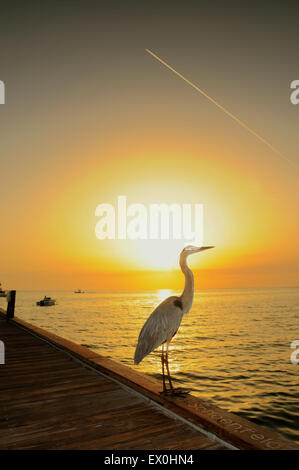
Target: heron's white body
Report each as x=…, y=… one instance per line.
x=159, y=328
x=165, y=320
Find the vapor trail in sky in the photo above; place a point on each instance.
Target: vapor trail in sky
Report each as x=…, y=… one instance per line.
x=221, y=107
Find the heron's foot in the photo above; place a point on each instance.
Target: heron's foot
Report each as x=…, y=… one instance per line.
x=180, y=392
x=176, y=392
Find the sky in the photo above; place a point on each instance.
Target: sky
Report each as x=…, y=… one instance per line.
x=89, y=115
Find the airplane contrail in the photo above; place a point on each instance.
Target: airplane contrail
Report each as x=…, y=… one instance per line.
x=235, y=118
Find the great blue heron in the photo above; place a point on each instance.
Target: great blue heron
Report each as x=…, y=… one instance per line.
x=164, y=322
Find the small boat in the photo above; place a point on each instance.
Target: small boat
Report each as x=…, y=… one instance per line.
x=46, y=301
x=2, y=292
x=79, y=291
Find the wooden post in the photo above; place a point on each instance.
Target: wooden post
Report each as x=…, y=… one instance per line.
x=11, y=299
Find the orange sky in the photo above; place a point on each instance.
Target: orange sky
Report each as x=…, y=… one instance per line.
x=125, y=126
x=248, y=215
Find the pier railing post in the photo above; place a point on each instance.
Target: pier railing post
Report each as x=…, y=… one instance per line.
x=11, y=300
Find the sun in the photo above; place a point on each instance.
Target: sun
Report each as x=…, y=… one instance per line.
x=157, y=254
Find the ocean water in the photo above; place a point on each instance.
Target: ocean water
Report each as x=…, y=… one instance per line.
x=232, y=348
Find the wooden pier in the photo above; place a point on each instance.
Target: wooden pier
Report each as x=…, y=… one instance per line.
x=55, y=394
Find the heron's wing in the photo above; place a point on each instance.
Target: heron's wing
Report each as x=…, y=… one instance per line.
x=161, y=325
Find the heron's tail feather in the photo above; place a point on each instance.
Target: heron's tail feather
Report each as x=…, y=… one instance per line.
x=138, y=356
x=142, y=350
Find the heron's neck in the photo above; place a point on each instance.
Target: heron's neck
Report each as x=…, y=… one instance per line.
x=187, y=295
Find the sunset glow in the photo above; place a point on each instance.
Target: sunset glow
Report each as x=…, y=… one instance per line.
x=156, y=140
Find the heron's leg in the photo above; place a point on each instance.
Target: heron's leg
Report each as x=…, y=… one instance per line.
x=163, y=362
x=167, y=367
x=179, y=392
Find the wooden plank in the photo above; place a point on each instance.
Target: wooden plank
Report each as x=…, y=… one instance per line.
x=50, y=401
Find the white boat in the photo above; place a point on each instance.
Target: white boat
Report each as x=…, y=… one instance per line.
x=79, y=291
x=46, y=301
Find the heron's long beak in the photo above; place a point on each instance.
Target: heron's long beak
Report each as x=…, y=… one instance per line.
x=202, y=248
